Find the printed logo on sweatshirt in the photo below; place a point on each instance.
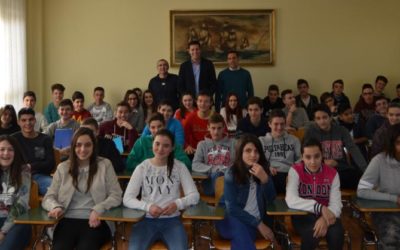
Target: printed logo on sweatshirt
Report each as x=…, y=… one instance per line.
x=159, y=183
x=278, y=150
x=218, y=155
x=332, y=149
x=313, y=190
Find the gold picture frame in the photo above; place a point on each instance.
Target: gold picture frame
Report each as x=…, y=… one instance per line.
x=250, y=32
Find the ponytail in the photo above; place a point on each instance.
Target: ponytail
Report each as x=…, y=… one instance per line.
x=171, y=156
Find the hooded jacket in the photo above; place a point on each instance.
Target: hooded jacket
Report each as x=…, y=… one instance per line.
x=214, y=155
x=281, y=152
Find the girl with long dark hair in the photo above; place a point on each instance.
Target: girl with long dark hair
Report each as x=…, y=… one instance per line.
x=232, y=112
x=15, y=187
x=247, y=190
x=83, y=187
x=186, y=107
x=8, y=120
x=160, y=179
x=136, y=116
x=149, y=105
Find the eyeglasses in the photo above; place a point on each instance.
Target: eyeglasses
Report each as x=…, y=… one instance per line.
x=368, y=93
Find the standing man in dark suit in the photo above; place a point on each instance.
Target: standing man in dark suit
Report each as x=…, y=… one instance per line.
x=197, y=74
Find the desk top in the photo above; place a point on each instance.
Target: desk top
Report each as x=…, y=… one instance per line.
x=199, y=176
x=202, y=211
x=279, y=207
x=122, y=214
x=36, y=216
x=365, y=205
x=125, y=175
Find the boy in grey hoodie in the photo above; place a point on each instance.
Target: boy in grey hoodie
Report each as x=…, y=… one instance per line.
x=214, y=154
x=336, y=143
x=280, y=148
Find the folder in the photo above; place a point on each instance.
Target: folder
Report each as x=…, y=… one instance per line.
x=63, y=137
x=119, y=144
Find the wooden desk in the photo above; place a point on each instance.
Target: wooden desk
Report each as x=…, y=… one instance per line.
x=38, y=217
x=125, y=175
x=202, y=212
x=280, y=208
x=122, y=214
x=199, y=176
x=366, y=206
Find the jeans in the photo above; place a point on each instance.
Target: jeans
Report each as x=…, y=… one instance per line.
x=17, y=237
x=208, y=184
x=169, y=230
x=242, y=236
x=43, y=181
x=304, y=224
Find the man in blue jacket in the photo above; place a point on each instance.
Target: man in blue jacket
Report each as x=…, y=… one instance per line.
x=197, y=73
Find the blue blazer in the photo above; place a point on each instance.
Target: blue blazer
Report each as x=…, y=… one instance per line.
x=207, y=79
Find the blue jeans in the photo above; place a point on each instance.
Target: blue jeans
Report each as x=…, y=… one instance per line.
x=208, y=185
x=43, y=181
x=242, y=236
x=17, y=237
x=169, y=230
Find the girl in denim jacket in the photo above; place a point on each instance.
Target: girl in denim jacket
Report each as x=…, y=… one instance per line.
x=247, y=190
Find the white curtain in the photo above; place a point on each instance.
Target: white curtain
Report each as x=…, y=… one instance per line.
x=13, y=78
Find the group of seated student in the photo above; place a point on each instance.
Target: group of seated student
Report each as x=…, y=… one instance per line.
x=252, y=146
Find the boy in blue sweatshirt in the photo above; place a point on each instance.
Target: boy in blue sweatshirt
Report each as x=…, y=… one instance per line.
x=173, y=125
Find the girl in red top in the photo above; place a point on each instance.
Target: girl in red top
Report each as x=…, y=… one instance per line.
x=315, y=187
x=186, y=107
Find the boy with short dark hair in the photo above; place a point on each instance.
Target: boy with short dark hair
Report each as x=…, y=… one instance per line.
x=57, y=95
x=357, y=132
x=304, y=99
x=196, y=123
x=397, y=99
x=120, y=127
x=296, y=117
x=29, y=101
x=254, y=123
x=173, y=125
x=65, y=112
x=336, y=141
x=80, y=113
x=281, y=149
x=105, y=147
x=338, y=94
x=380, y=84
x=378, y=118
x=100, y=110
x=272, y=100
x=142, y=149
x=214, y=154
x=37, y=148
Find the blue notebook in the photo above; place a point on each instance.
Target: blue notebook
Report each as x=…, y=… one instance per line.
x=119, y=144
x=63, y=137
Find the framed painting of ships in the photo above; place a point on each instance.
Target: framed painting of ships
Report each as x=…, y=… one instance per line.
x=249, y=32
